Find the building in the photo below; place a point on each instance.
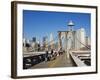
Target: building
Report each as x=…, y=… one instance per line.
x=35, y=44
x=34, y=39
x=51, y=41
x=45, y=43
x=80, y=38
x=24, y=45
x=88, y=41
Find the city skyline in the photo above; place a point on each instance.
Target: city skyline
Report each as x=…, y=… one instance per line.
x=42, y=23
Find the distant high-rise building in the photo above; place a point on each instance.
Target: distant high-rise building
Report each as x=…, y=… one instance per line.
x=24, y=45
x=51, y=41
x=80, y=38
x=44, y=39
x=45, y=43
x=88, y=42
x=34, y=39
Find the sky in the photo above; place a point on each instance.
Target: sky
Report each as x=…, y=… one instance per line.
x=42, y=23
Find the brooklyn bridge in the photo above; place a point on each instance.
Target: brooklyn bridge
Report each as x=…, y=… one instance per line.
x=70, y=48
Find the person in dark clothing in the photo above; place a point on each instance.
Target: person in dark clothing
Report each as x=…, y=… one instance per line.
x=52, y=54
x=27, y=46
x=46, y=56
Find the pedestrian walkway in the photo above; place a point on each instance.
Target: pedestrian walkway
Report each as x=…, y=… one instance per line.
x=60, y=61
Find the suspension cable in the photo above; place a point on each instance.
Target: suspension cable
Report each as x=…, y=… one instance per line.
x=82, y=43
x=49, y=42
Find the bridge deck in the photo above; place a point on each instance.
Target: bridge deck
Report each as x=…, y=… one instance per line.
x=60, y=61
x=37, y=60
